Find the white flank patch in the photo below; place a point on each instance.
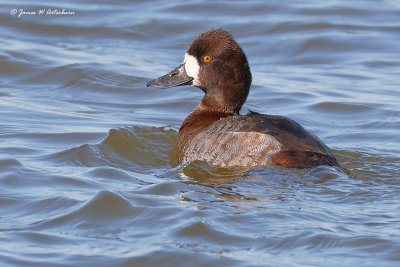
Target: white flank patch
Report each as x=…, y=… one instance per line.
x=192, y=68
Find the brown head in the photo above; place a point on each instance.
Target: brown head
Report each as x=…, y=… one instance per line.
x=215, y=63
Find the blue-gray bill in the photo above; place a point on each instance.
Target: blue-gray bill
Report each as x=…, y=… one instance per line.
x=176, y=77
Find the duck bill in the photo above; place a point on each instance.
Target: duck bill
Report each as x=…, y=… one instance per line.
x=176, y=77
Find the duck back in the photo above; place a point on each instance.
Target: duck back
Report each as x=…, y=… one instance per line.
x=250, y=140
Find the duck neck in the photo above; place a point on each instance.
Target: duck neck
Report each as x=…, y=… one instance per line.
x=217, y=104
x=228, y=99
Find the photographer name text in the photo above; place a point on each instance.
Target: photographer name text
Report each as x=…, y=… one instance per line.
x=41, y=12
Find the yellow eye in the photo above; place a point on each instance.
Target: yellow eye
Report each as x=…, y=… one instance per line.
x=207, y=58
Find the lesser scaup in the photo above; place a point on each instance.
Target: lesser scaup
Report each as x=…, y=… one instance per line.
x=215, y=132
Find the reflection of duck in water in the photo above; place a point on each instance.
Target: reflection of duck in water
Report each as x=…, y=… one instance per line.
x=215, y=132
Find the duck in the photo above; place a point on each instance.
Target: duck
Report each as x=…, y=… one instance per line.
x=215, y=132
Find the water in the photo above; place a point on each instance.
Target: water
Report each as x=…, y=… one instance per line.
x=87, y=162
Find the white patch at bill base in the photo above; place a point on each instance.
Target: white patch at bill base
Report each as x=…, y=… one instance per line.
x=192, y=68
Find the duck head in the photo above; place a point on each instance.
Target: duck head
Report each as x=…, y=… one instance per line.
x=215, y=63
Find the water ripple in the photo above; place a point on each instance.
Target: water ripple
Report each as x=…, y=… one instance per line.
x=88, y=171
